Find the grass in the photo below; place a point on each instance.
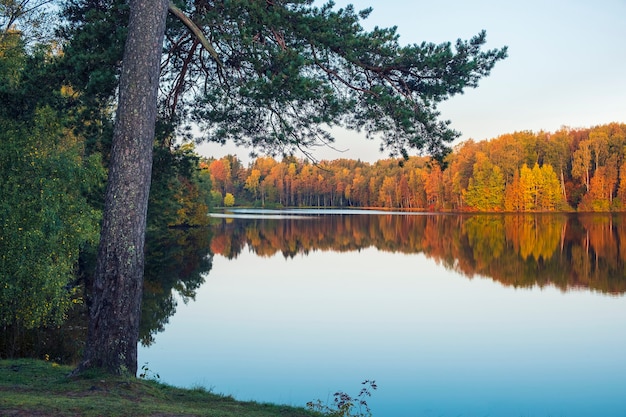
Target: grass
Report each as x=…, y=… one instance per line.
x=42, y=389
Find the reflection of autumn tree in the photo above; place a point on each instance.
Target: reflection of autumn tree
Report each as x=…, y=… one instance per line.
x=517, y=250
x=601, y=242
x=485, y=235
x=534, y=236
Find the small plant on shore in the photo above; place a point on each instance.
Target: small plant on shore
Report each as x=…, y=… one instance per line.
x=345, y=405
x=147, y=373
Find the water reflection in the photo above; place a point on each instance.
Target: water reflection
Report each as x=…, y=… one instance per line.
x=177, y=261
x=565, y=251
x=297, y=308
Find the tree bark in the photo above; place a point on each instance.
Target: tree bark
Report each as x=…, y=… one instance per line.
x=115, y=306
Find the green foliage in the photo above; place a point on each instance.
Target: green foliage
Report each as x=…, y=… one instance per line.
x=216, y=198
x=485, y=190
x=180, y=191
x=95, y=32
x=27, y=79
x=45, y=175
x=345, y=405
x=147, y=373
x=289, y=69
x=48, y=182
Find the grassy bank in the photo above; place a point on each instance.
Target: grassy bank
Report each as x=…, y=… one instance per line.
x=41, y=389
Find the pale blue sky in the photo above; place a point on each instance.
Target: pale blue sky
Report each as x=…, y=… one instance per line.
x=566, y=65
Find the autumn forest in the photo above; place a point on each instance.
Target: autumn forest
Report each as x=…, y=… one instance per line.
x=567, y=170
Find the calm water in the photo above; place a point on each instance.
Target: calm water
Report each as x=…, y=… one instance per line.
x=451, y=316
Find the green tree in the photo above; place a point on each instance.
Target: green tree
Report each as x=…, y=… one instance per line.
x=274, y=82
x=485, y=190
x=47, y=181
x=46, y=218
x=12, y=60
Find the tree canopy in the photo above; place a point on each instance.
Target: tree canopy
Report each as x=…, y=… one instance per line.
x=285, y=71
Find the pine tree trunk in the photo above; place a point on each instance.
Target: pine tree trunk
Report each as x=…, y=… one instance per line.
x=115, y=306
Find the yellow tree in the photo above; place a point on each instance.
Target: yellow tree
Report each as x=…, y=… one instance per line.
x=253, y=181
x=229, y=200
x=417, y=186
x=358, y=189
x=403, y=196
x=291, y=181
x=386, y=196
x=527, y=187
x=550, y=196
x=611, y=173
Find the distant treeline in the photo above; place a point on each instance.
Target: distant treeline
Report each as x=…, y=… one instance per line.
x=570, y=169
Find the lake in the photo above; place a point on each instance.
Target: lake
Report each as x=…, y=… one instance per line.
x=451, y=315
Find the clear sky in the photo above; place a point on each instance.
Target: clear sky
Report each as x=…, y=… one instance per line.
x=566, y=66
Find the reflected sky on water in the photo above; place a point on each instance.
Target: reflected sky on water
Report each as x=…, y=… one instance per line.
x=292, y=330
